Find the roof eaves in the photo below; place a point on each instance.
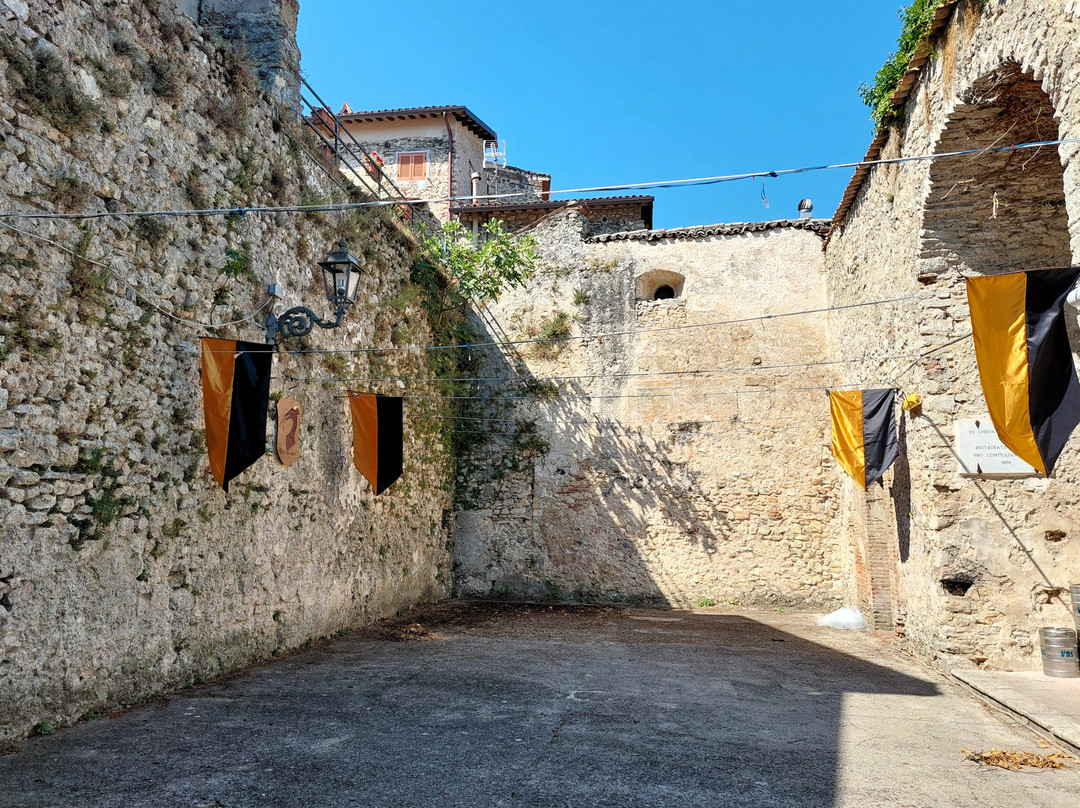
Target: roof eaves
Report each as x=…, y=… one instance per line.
x=461, y=113
x=817, y=226
x=902, y=93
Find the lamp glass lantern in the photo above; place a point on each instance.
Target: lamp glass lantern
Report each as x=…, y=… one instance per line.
x=341, y=275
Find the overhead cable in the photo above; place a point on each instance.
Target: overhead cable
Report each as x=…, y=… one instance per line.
x=673, y=183
x=134, y=289
x=603, y=335
x=603, y=375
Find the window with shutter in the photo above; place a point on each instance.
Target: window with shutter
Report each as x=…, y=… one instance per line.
x=412, y=166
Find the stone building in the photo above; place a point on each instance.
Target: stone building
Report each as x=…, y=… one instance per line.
x=653, y=426
x=968, y=566
x=431, y=153
x=661, y=457
x=685, y=498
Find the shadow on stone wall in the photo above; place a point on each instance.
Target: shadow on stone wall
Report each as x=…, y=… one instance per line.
x=559, y=499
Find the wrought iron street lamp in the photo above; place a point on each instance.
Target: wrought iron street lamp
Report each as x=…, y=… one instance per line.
x=341, y=280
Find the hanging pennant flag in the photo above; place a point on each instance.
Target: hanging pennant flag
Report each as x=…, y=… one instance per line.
x=864, y=432
x=1025, y=361
x=377, y=437
x=236, y=397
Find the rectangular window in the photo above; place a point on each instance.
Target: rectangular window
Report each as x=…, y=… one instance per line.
x=412, y=166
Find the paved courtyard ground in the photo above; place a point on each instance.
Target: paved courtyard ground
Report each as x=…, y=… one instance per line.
x=501, y=705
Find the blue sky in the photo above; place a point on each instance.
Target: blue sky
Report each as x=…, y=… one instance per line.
x=598, y=92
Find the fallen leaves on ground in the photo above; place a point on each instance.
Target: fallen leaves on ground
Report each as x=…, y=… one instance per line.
x=1017, y=760
x=398, y=631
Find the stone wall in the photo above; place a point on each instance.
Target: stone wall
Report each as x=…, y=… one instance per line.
x=468, y=157
x=1006, y=74
x=600, y=219
x=605, y=475
x=124, y=568
x=266, y=32
x=511, y=180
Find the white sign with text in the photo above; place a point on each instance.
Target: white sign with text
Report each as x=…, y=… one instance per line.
x=981, y=452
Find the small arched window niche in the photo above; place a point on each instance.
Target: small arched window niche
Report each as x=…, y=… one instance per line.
x=660, y=284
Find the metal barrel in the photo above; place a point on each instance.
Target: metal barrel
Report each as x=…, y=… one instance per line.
x=1074, y=594
x=1059, y=652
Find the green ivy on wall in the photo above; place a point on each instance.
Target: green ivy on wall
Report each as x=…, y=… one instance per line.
x=916, y=25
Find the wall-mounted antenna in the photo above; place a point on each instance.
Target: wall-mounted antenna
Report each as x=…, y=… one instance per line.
x=494, y=153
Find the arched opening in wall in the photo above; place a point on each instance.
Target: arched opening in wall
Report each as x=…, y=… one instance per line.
x=660, y=284
x=1004, y=210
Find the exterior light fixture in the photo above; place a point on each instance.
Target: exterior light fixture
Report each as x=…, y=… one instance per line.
x=341, y=281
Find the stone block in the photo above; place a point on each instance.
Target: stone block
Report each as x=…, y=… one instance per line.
x=41, y=502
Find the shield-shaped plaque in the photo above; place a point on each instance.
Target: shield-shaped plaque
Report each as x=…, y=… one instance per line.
x=288, y=430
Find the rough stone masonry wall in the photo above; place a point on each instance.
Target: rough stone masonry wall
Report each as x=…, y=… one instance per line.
x=594, y=483
x=600, y=219
x=511, y=180
x=468, y=157
x=124, y=568
x=1007, y=74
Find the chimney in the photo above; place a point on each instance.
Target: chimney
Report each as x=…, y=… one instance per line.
x=475, y=177
x=806, y=209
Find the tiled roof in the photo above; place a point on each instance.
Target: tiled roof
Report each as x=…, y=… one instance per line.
x=899, y=98
x=819, y=226
x=462, y=114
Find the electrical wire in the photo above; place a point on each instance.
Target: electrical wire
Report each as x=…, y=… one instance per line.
x=119, y=276
x=674, y=183
x=681, y=394
x=637, y=374
x=604, y=335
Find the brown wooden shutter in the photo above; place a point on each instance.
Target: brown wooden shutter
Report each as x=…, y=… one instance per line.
x=412, y=166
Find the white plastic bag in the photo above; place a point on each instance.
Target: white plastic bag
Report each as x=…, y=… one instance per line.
x=848, y=618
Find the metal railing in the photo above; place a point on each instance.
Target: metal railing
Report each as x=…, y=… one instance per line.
x=356, y=162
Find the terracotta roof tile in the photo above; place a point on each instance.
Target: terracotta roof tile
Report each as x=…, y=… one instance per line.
x=463, y=114
x=819, y=226
x=899, y=98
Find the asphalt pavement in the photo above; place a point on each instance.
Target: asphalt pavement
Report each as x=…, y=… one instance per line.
x=481, y=704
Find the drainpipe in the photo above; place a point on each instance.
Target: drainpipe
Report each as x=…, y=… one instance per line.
x=450, y=137
x=475, y=177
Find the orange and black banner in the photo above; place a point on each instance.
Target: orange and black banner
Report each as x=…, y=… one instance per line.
x=864, y=432
x=1025, y=361
x=378, y=437
x=236, y=397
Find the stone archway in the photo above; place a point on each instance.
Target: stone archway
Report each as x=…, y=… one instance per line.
x=1005, y=210
x=983, y=213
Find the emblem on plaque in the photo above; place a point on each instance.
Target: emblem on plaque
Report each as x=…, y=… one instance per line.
x=288, y=430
